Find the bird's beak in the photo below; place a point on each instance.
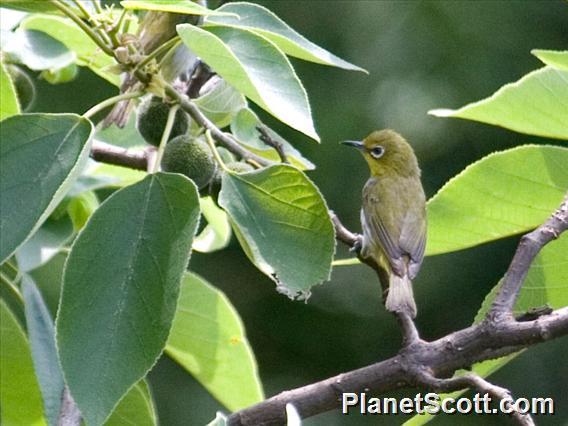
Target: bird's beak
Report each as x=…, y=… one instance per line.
x=356, y=144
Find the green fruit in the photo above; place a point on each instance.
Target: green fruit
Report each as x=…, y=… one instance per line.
x=152, y=117
x=240, y=167
x=190, y=157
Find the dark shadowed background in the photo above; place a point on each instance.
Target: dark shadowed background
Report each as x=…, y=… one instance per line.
x=420, y=55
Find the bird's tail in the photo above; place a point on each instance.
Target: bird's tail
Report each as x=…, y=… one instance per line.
x=400, y=297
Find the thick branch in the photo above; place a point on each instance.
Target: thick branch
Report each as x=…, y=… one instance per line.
x=528, y=248
x=112, y=154
x=442, y=357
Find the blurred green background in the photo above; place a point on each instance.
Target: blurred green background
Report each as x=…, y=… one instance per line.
x=420, y=55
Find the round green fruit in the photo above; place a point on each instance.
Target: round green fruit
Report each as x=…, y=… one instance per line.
x=190, y=157
x=152, y=117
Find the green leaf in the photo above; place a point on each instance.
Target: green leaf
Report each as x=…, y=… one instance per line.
x=37, y=50
x=244, y=128
x=256, y=67
x=136, y=408
x=536, y=105
x=503, y=194
x=555, y=58
x=263, y=21
x=19, y=391
x=208, y=340
x=75, y=39
x=81, y=207
x=40, y=156
x=30, y=6
x=45, y=243
x=133, y=250
x=282, y=223
x=9, y=104
x=221, y=103
x=217, y=234
x=44, y=354
x=187, y=7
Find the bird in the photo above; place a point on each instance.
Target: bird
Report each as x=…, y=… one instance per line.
x=393, y=216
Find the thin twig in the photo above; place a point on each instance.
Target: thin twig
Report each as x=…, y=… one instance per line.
x=270, y=141
x=475, y=382
x=111, y=101
x=222, y=138
x=155, y=167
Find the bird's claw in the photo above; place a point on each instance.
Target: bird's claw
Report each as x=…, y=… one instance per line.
x=357, y=245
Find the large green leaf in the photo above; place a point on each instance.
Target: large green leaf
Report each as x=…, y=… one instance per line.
x=9, y=104
x=37, y=50
x=40, y=156
x=503, y=194
x=256, y=67
x=44, y=243
x=75, y=39
x=264, y=22
x=217, y=234
x=282, y=223
x=245, y=128
x=44, y=354
x=221, y=103
x=208, y=340
x=136, y=408
x=554, y=58
x=536, y=105
x=188, y=7
x=20, y=398
x=120, y=289
x=30, y=6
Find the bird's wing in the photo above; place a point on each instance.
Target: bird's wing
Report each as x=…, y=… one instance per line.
x=375, y=219
x=397, y=223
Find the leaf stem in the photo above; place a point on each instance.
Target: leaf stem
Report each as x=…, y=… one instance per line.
x=156, y=52
x=12, y=287
x=165, y=137
x=70, y=13
x=346, y=262
x=215, y=152
x=111, y=101
x=97, y=5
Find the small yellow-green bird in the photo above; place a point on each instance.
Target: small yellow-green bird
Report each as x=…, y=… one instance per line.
x=393, y=216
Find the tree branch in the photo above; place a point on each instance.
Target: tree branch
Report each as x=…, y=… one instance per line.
x=442, y=357
x=420, y=364
x=112, y=154
x=528, y=248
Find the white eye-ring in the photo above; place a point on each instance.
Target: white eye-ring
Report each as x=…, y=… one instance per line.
x=377, y=151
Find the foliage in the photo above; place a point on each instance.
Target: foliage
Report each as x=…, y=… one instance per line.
x=125, y=294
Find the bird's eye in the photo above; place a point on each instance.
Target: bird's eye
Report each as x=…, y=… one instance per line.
x=377, y=151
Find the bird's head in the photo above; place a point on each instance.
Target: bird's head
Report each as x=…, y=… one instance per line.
x=387, y=154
